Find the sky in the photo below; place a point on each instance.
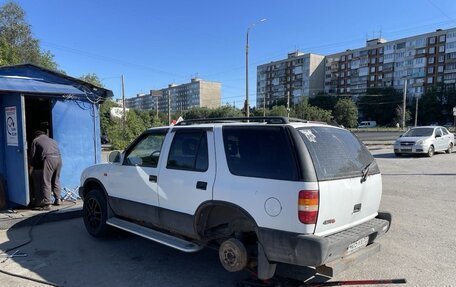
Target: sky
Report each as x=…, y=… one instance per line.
x=155, y=43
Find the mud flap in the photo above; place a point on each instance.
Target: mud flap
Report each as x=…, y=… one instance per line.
x=266, y=270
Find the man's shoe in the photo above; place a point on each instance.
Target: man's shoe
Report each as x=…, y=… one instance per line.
x=57, y=202
x=43, y=207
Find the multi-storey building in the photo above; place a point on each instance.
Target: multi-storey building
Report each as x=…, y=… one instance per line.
x=300, y=75
x=197, y=93
x=422, y=60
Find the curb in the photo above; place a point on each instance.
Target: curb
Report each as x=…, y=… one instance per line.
x=45, y=217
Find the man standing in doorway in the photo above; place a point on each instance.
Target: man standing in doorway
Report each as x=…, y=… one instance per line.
x=45, y=156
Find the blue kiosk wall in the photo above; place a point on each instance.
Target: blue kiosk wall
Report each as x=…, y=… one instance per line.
x=76, y=128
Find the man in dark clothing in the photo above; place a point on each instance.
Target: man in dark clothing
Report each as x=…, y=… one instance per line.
x=45, y=157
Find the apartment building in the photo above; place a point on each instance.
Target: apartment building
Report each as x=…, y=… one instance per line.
x=299, y=75
x=422, y=60
x=196, y=93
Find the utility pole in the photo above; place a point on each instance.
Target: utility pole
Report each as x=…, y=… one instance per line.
x=247, y=105
x=288, y=103
x=123, y=103
x=403, y=104
x=247, y=109
x=264, y=104
x=416, y=110
x=169, y=106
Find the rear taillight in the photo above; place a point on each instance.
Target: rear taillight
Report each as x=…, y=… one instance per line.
x=308, y=206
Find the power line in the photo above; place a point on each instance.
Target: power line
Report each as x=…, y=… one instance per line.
x=441, y=11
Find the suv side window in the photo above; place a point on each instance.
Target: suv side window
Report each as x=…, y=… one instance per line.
x=146, y=151
x=263, y=152
x=189, y=151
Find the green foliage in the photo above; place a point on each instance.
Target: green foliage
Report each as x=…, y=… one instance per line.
x=436, y=105
x=204, y=113
x=279, y=111
x=92, y=79
x=346, y=113
x=120, y=136
x=324, y=101
x=304, y=110
x=17, y=44
x=105, y=115
x=379, y=105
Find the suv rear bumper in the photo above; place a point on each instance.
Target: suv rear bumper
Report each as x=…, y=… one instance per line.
x=311, y=250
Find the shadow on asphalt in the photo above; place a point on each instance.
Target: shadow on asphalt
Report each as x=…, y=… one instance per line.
x=73, y=258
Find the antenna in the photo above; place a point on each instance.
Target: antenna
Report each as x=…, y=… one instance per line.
x=380, y=32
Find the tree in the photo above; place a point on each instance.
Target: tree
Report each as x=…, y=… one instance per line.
x=436, y=105
x=135, y=124
x=324, y=101
x=92, y=79
x=346, y=113
x=308, y=112
x=379, y=104
x=17, y=45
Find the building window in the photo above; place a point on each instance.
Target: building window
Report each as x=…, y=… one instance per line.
x=401, y=45
x=342, y=58
x=430, y=70
x=431, y=40
x=373, y=60
x=372, y=78
x=431, y=60
x=441, y=59
x=439, y=79
x=429, y=80
x=440, y=69
x=372, y=69
x=442, y=49
x=442, y=38
x=431, y=50
x=380, y=68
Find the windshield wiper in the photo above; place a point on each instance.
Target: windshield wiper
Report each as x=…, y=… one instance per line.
x=365, y=171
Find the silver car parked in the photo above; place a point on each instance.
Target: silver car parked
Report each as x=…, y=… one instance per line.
x=424, y=140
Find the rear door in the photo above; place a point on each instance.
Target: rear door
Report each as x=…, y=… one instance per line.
x=339, y=159
x=16, y=150
x=186, y=176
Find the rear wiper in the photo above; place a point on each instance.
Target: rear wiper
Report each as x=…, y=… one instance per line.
x=365, y=171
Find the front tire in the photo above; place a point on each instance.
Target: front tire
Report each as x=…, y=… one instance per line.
x=450, y=148
x=95, y=213
x=431, y=151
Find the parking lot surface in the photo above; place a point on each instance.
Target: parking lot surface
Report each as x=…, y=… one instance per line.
x=420, y=193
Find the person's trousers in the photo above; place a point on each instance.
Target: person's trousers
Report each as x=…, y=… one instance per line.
x=51, y=178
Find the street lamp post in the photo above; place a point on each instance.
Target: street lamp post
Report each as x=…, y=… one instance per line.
x=247, y=106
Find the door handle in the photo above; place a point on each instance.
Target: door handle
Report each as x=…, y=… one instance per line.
x=201, y=185
x=152, y=178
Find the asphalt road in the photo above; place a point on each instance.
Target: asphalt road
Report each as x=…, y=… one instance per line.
x=420, y=192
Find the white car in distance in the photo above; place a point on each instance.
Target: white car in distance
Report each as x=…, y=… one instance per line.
x=424, y=140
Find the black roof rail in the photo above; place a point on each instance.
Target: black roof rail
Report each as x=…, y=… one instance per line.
x=268, y=120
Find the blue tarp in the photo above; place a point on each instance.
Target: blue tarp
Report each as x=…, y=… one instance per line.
x=34, y=85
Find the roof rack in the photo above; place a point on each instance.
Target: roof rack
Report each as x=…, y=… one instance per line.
x=267, y=120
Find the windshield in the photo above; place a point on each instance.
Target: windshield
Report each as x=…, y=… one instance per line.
x=419, y=132
x=337, y=153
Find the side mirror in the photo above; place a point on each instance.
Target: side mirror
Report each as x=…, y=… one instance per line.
x=114, y=156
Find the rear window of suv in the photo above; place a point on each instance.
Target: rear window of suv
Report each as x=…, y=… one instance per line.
x=336, y=153
x=263, y=152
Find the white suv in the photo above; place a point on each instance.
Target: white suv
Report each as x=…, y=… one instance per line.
x=267, y=191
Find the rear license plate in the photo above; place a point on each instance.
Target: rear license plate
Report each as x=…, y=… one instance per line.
x=357, y=245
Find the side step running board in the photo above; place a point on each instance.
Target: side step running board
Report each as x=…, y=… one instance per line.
x=165, y=239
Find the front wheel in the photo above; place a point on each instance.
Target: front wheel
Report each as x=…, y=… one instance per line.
x=450, y=148
x=431, y=151
x=95, y=213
